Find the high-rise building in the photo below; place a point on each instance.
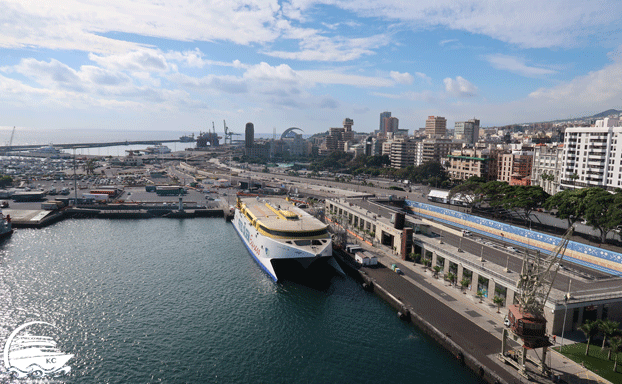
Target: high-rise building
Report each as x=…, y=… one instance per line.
x=592, y=156
x=402, y=152
x=436, y=127
x=467, y=131
x=390, y=124
x=383, y=115
x=249, y=135
x=435, y=150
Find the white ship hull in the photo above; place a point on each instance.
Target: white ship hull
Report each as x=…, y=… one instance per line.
x=267, y=251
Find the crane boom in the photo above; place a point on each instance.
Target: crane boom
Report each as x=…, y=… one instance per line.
x=537, y=277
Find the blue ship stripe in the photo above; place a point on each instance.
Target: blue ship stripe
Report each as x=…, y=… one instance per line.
x=254, y=257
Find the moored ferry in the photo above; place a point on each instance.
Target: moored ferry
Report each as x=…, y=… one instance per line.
x=281, y=237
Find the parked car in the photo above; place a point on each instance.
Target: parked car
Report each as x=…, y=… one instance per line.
x=512, y=249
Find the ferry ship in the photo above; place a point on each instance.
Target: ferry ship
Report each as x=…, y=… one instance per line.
x=282, y=238
x=158, y=149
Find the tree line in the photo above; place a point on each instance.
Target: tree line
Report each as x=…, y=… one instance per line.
x=593, y=206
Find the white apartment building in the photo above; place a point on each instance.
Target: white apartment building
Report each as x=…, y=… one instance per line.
x=592, y=156
x=547, y=166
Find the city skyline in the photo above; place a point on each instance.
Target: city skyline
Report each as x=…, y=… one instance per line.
x=304, y=63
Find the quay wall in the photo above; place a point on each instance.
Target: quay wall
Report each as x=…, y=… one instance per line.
x=408, y=314
x=578, y=253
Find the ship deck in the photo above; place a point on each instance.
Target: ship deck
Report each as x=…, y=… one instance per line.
x=270, y=219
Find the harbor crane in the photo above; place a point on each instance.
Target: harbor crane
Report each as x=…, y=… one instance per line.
x=527, y=319
x=229, y=134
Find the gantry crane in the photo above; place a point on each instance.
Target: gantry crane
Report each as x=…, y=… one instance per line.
x=229, y=133
x=527, y=320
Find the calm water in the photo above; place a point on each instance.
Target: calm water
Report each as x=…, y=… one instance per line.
x=182, y=301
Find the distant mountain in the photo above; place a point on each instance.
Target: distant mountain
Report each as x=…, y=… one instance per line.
x=606, y=113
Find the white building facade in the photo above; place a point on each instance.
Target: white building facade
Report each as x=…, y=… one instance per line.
x=592, y=156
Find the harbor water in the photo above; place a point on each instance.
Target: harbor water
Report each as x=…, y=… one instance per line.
x=182, y=301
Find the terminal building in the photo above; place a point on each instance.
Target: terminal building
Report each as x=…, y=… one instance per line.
x=588, y=285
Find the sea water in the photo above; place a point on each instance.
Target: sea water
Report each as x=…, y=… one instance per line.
x=182, y=301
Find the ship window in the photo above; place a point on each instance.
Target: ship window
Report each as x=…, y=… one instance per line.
x=295, y=234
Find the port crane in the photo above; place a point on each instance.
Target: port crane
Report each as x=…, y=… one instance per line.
x=229, y=134
x=527, y=318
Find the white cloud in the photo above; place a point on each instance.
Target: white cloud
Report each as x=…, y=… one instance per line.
x=527, y=23
x=316, y=47
x=266, y=72
x=443, y=42
x=517, y=65
x=424, y=77
x=602, y=87
x=76, y=24
x=337, y=77
x=190, y=58
x=139, y=61
x=427, y=96
x=459, y=87
x=402, y=78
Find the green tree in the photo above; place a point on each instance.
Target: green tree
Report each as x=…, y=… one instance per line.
x=590, y=329
x=436, y=270
x=614, y=347
x=569, y=203
x=5, y=181
x=607, y=328
x=498, y=300
x=480, y=295
x=524, y=198
x=493, y=192
x=464, y=283
x=601, y=212
x=451, y=277
x=469, y=191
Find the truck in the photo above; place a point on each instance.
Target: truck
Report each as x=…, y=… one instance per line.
x=396, y=269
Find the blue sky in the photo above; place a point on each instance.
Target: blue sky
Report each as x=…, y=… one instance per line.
x=179, y=65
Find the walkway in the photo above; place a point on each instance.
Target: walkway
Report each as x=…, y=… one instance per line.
x=475, y=326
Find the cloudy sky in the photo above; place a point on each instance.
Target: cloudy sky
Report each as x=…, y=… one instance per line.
x=179, y=65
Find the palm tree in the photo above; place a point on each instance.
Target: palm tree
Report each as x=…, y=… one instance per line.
x=589, y=328
x=499, y=301
x=480, y=295
x=614, y=346
x=436, y=269
x=608, y=328
x=464, y=283
x=451, y=277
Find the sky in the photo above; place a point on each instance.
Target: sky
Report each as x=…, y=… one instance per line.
x=138, y=65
